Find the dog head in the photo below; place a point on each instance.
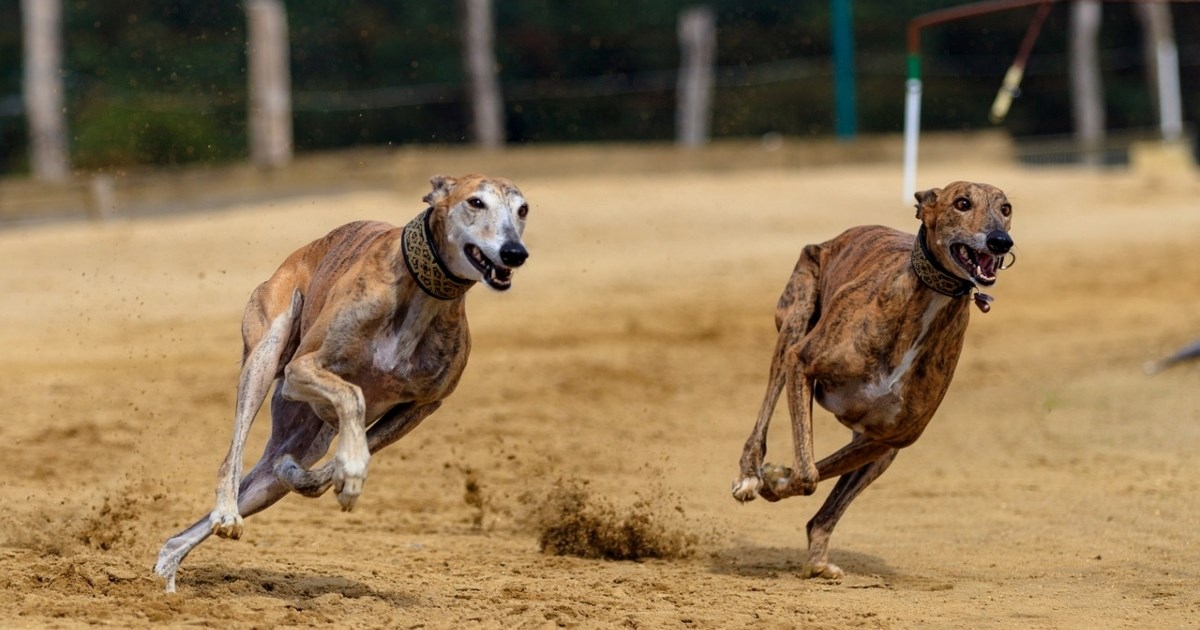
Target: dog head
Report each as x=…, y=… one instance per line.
x=484, y=218
x=966, y=229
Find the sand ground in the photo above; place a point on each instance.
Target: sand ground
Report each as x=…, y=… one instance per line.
x=1056, y=488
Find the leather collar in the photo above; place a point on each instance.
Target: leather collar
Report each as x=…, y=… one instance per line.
x=425, y=265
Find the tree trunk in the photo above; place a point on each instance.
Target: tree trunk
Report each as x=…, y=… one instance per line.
x=1087, y=91
x=1162, y=66
x=479, y=58
x=269, y=74
x=43, y=89
x=697, y=48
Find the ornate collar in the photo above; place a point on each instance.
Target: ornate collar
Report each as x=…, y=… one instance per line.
x=424, y=264
x=933, y=274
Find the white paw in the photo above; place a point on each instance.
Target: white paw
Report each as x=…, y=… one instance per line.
x=781, y=481
x=348, y=480
x=826, y=570
x=226, y=523
x=166, y=568
x=746, y=488
x=778, y=477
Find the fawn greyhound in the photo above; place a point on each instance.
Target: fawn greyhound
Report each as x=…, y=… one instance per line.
x=871, y=326
x=364, y=334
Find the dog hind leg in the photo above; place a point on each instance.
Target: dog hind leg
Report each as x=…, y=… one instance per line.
x=395, y=424
x=820, y=528
x=264, y=351
x=295, y=432
x=794, y=317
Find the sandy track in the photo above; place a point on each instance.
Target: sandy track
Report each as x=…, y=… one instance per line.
x=1056, y=488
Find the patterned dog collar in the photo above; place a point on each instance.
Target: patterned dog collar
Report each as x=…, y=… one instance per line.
x=424, y=264
x=933, y=274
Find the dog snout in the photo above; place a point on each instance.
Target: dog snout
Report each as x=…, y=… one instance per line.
x=513, y=254
x=999, y=242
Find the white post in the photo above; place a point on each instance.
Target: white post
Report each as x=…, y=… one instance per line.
x=1170, y=104
x=912, y=130
x=697, y=47
x=1162, y=57
x=43, y=89
x=269, y=75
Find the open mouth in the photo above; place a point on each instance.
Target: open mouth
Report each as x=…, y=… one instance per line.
x=980, y=265
x=496, y=276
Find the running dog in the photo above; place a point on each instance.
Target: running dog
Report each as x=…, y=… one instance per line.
x=363, y=333
x=871, y=325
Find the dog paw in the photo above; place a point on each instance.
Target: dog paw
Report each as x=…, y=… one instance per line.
x=226, y=524
x=166, y=567
x=348, y=480
x=781, y=482
x=826, y=570
x=746, y=488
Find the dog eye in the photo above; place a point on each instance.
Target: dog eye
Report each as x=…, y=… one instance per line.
x=962, y=203
x=523, y=210
x=476, y=202
x=1006, y=209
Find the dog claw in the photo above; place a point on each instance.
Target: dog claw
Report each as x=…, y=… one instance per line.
x=227, y=525
x=348, y=483
x=348, y=494
x=745, y=489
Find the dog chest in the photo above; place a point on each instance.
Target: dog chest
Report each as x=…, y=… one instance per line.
x=878, y=401
x=421, y=358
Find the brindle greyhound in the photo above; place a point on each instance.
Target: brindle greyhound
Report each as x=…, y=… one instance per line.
x=871, y=325
x=364, y=333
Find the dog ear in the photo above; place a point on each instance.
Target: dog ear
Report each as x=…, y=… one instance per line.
x=442, y=185
x=926, y=198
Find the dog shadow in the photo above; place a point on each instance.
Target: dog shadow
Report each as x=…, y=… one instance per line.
x=754, y=561
x=217, y=582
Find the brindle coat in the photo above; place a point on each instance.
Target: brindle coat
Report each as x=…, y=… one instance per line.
x=861, y=334
x=351, y=341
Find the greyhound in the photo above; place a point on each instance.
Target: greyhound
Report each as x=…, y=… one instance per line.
x=363, y=333
x=871, y=326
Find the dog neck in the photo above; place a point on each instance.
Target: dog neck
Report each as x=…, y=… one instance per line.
x=933, y=274
x=425, y=265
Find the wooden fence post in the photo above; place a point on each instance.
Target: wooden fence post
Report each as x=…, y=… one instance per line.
x=269, y=74
x=1087, y=92
x=479, y=58
x=43, y=89
x=698, y=48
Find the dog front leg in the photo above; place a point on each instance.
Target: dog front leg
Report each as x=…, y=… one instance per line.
x=750, y=467
x=395, y=424
x=306, y=380
x=780, y=482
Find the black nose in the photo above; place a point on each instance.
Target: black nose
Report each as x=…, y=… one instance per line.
x=999, y=242
x=513, y=254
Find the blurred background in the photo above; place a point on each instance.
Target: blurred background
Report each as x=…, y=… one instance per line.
x=141, y=83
